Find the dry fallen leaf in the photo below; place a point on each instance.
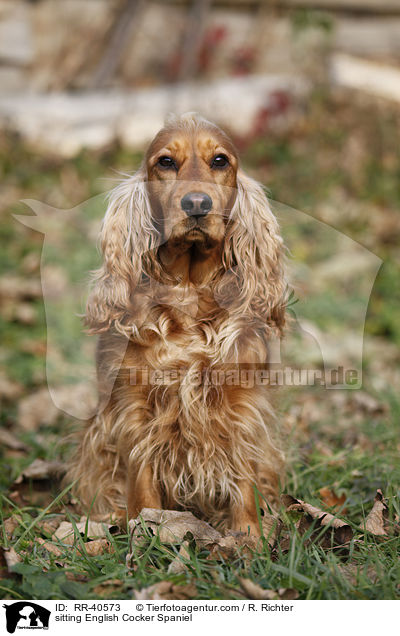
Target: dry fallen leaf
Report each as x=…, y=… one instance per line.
x=165, y=590
x=255, y=592
x=25, y=313
x=17, y=498
x=272, y=527
x=351, y=572
x=173, y=526
x=11, y=557
x=45, y=475
x=104, y=588
x=50, y=547
x=49, y=526
x=90, y=529
x=4, y=573
x=35, y=347
x=65, y=533
x=40, y=469
x=377, y=521
x=9, y=390
x=285, y=542
x=179, y=564
x=96, y=547
x=16, y=287
x=330, y=499
x=234, y=545
x=239, y=544
x=10, y=525
x=287, y=594
x=55, y=282
x=10, y=441
x=38, y=409
x=30, y=263
x=367, y=403
x=341, y=533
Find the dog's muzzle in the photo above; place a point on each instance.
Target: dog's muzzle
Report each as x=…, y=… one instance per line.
x=196, y=204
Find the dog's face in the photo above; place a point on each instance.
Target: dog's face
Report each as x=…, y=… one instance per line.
x=191, y=177
x=189, y=217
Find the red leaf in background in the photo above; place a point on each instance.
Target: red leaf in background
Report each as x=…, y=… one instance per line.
x=213, y=37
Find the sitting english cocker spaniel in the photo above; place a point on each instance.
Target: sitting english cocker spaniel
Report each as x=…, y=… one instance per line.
x=190, y=293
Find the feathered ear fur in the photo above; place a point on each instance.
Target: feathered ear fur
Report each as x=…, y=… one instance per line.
x=128, y=238
x=253, y=250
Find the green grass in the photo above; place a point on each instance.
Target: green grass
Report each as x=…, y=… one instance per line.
x=369, y=568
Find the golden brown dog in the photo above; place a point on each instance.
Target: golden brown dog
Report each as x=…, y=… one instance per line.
x=191, y=289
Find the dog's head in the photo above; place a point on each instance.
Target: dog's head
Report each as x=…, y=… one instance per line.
x=191, y=216
x=191, y=167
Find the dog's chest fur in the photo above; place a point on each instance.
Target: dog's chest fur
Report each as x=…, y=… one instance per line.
x=201, y=437
x=166, y=411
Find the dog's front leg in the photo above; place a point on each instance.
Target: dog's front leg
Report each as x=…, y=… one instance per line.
x=141, y=491
x=244, y=515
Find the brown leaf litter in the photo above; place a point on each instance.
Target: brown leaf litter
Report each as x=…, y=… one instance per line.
x=352, y=572
x=330, y=499
x=184, y=530
x=340, y=531
x=10, y=525
x=50, y=547
x=9, y=389
x=181, y=561
x=11, y=558
x=377, y=521
x=18, y=288
x=45, y=476
x=65, y=532
x=324, y=528
x=9, y=440
x=255, y=592
x=174, y=526
x=41, y=469
x=96, y=547
x=166, y=590
x=368, y=404
x=235, y=544
x=39, y=408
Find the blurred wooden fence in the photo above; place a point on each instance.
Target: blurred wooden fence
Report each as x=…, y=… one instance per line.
x=364, y=6
x=94, y=44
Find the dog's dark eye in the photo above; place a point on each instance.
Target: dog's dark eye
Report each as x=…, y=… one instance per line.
x=220, y=161
x=166, y=162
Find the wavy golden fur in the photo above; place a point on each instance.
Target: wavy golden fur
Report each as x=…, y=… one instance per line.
x=191, y=284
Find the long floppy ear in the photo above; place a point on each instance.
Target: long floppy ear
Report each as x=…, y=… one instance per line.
x=254, y=251
x=127, y=238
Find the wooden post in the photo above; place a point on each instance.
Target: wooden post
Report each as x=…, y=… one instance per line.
x=193, y=36
x=120, y=34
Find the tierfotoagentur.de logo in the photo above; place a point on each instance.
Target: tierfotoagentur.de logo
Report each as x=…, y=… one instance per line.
x=311, y=354
x=26, y=615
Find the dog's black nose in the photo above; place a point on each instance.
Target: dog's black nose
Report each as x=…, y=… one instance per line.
x=196, y=203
